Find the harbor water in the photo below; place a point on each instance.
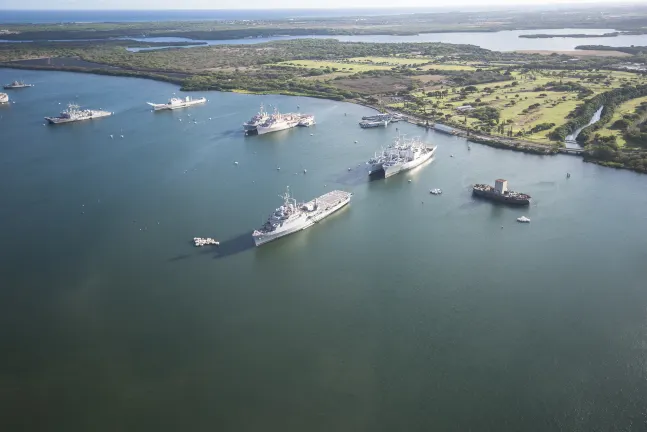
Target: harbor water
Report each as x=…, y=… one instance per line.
x=403, y=311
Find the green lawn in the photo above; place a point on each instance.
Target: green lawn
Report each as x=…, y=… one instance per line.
x=341, y=66
x=452, y=67
x=395, y=61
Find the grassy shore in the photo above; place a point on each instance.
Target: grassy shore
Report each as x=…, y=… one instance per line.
x=513, y=100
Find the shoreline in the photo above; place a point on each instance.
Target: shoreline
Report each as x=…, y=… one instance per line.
x=480, y=138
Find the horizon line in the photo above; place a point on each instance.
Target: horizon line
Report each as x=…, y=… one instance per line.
x=520, y=5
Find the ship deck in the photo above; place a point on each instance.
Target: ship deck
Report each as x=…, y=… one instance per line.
x=330, y=199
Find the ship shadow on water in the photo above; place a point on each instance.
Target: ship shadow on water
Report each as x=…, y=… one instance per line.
x=358, y=175
x=230, y=247
x=226, y=248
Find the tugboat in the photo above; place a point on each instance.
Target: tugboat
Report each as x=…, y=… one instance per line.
x=17, y=85
x=199, y=241
x=501, y=193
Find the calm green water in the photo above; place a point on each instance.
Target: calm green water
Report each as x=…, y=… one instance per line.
x=405, y=311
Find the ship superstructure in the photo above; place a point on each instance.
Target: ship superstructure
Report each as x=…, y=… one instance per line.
x=75, y=113
x=292, y=216
x=175, y=103
x=259, y=118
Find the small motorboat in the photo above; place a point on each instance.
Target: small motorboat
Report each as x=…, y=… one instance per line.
x=436, y=192
x=568, y=175
x=523, y=219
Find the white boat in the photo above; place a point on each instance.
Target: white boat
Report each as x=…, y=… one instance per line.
x=409, y=157
x=292, y=217
x=175, y=103
x=259, y=118
x=436, y=192
x=74, y=113
x=199, y=241
x=4, y=98
x=523, y=219
x=306, y=120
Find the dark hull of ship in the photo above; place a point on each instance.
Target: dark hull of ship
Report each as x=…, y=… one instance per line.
x=501, y=198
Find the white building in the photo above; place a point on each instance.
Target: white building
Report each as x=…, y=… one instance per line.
x=465, y=108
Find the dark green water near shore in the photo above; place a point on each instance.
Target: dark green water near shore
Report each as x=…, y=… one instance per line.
x=404, y=311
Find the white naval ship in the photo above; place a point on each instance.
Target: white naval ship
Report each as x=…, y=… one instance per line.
x=408, y=158
x=259, y=118
x=175, y=103
x=292, y=217
x=278, y=122
x=4, y=98
x=17, y=85
x=401, y=156
x=75, y=113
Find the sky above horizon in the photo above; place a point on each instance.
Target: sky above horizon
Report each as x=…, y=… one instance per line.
x=263, y=4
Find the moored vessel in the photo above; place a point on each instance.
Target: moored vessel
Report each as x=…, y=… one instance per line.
x=408, y=158
x=17, y=85
x=501, y=193
x=257, y=119
x=404, y=154
x=278, y=122
x=75, y=113
x=175, y=103
x=292, y=216
x=306, y=120
x=369, y=124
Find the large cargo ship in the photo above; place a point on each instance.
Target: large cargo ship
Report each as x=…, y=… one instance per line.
x=408, y=158
x=404, y=154
x=278, y=122
x=501, y=193
x=17, y=85
x=175, y=103
x=292, y=217
x=4, y=98
x=75, y=113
